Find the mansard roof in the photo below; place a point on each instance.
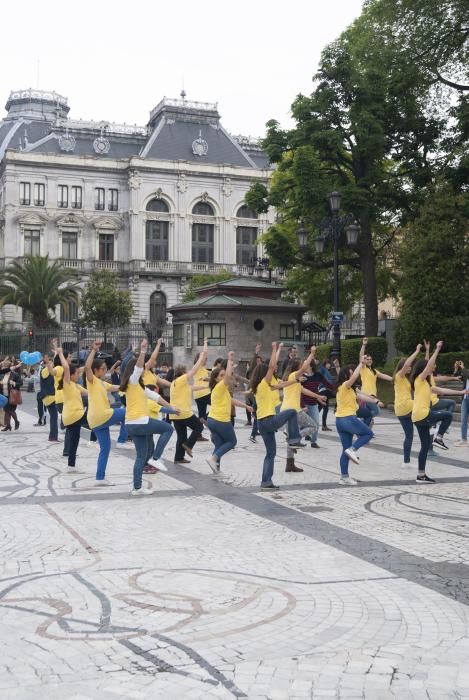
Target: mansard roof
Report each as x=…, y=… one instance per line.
x=38, y=122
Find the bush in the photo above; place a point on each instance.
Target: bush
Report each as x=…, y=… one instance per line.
x=377, y=348
x=446, y=360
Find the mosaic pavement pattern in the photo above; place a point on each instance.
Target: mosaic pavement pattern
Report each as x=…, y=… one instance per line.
x=211, y=588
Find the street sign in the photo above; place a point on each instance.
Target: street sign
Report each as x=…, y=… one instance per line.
x=337, y=317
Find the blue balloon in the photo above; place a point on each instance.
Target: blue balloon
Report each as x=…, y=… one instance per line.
x=24, y=356
x=3, y=401
x=37, y=357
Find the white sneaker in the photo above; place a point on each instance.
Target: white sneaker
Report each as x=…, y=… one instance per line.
x=462, y=443
x=92, y=443
x=158, y=464
x=124, y=446
x=350, y=452
x=407, y=465
x=213, y=464
x=103, y=482
x=141, y=492
x=73, y=470
x=347, y=481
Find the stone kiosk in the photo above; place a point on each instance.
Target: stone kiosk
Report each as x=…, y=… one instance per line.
x=234, y=315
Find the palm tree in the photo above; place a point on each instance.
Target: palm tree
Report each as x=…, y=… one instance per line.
x=38, y=287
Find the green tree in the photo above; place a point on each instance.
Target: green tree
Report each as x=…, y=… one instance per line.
x=200, y=281
x=433, y=267
x=373, y=128
x=103, y=304
x=38, y=287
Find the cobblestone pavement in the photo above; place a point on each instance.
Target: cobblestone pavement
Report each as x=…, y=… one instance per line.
x=211, y=588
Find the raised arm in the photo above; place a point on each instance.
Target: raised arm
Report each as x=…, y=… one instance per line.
x=65, y=365
x=200, y=361
x=356, y=373
x=228, y=376
x=89, y=360
x=143, y=351
x=272, y=363
x=154, y=356
x=426, y=344
x=408, y=363
x=307, y=362
x=363, y=349
x=432, y=361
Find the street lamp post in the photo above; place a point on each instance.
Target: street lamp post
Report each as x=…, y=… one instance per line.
x=330, y=230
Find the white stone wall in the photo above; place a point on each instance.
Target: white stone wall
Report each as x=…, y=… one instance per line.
x=179, y=184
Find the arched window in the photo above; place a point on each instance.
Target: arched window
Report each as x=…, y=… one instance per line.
x=202, y=234
x=157, y=312
x=158, y=205
x=203, y=209
x=245, y=212
x=157, y=232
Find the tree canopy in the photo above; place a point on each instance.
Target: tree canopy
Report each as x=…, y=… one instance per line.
x=103, y=304
x=38, y=287
x=374, y=128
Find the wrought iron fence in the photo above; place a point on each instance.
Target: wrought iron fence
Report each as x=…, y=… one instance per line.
x=73, y=338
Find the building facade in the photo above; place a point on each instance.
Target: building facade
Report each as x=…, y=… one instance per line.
x=155, y=204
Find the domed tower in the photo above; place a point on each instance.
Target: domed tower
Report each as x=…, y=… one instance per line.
x=37, y=105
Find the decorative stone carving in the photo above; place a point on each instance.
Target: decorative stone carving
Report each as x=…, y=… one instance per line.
x=101, y=145
x=181, y=183
x=204, y=196
x=199, y=146
x=67, y=142
x=158, y=193
x=134, y=181
x=227, y=187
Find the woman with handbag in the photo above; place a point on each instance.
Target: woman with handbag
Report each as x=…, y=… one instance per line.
x=10, y=383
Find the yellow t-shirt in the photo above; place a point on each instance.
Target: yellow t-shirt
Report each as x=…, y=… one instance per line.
x=99, y=410
x=59, y=373
x=149, y=378
x=220, y=408
x=435, y=398
x=346, y=400
x=265, y=400
x=181, y=397
x=368, y=381
x=422, y=399
x=292, y=395
x=73, y=404
x=136, y=403
x=403, y=403
x=277, y=399
x=201, y=374
x=153, y=409
x=47, y=400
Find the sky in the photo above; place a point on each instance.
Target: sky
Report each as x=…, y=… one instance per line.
x=115, y=60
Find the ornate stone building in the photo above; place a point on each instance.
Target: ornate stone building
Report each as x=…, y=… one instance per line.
x=156, y=204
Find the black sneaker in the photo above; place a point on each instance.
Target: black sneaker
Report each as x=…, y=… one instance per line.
x=438, y=441
x=315, y=445
x=297, y=445
x=424, y=479
x=269, y=487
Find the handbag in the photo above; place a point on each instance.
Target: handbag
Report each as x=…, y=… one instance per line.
x=15, y=398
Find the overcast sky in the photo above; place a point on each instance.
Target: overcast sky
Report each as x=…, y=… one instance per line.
x=115, y=60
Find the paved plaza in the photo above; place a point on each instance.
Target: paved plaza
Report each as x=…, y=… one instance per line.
x=211, y=588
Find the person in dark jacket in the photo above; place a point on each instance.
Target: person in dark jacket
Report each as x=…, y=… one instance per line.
x=9, y=379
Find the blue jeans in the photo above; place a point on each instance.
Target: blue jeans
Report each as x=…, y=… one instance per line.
x=423, y=429
x=464, y=418
x=104, y=438
x=223, y=437
x=267, y=428
x=313, y=412
x=365, y=414
x=53, y=421
x=348, y=427
x=408, y=428
x=142, y=436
